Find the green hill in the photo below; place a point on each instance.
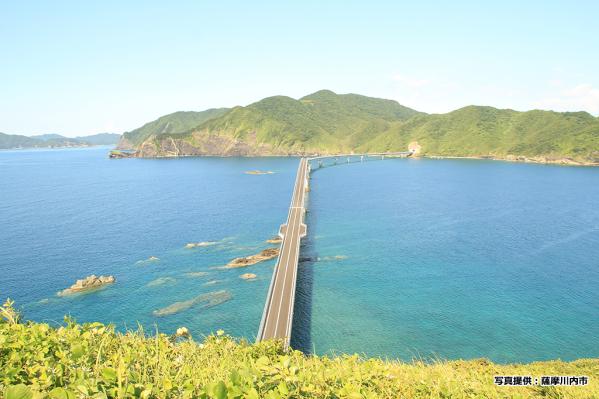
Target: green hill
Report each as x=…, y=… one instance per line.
x=17, y=141
x=100, y=138
x=325, y=122
x=48, y=137
x=487, y=131
x=11, y=141
x=52, y=140
x=176, y=122
x=318, y=122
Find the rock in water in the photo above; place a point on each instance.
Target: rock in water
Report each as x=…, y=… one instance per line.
x=161, y=281
x=88, y=283
x=146, y=261
x=248, y=276
x=259, y=172
x=275, y=240
x=210, y=299
x=200, y=244
x=266, y=254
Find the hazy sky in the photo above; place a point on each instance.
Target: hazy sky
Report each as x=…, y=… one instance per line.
x=78, y=68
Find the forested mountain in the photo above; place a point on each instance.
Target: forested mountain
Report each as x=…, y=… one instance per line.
x=327, y=123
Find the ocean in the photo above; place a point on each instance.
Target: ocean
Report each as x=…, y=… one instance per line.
x=404, y=258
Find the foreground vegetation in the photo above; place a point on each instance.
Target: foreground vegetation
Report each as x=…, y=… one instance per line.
x=92, y=360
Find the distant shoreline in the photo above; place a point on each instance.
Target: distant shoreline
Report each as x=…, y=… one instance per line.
x=542, y=160
x=72, y=147
x=519, y=159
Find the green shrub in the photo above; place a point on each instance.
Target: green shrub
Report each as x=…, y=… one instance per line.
x=92, y=360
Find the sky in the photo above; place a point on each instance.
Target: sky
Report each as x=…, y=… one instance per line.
x=79, y=68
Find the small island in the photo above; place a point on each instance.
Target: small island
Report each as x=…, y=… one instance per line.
x=86, y=284
x=199, y=244
x=266, y=254
x=259, y=172
x=248, y=276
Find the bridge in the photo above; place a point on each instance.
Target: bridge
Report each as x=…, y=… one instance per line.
x=277, y=317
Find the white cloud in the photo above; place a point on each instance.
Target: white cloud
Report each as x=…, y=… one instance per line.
x=582, y=97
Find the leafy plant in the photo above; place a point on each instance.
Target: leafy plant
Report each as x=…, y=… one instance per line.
x=92, y=360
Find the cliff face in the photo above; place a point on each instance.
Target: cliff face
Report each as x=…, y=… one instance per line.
x=199, y=144
x=124, y=144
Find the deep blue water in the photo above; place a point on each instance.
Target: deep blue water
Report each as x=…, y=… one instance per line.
x=404, y=258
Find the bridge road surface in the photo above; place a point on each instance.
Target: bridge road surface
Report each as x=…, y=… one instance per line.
x=278, y=309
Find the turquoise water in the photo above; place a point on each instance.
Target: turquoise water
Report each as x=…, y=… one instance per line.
x=404, y=258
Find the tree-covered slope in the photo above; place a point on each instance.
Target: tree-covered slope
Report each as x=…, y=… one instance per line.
x=325, y=122
x=177, y=122
x=101, y=138
x=487, y=131
x=8, y=141
x=52, y=140
x=18, y=141
x=321, y=122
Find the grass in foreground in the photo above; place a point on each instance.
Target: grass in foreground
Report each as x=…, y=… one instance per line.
x=92, y=360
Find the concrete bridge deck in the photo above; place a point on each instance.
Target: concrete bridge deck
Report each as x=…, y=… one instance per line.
x=277, y=317
x=278, y=310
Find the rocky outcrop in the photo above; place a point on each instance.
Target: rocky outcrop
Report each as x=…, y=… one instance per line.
x=86, y=284
x=151, y=259
x=541, y=159
x=248, y=276
x=415, y=148
x=204, y=144
x=266, y=254
x=259, y=172
x=121, y=154
x=275, y=240
x=124, y=144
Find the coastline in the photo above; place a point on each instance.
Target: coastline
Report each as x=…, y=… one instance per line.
x=564, y=161
x=68, y=147
x=542, y=160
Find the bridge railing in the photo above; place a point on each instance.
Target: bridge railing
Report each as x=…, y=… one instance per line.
x=352, y=158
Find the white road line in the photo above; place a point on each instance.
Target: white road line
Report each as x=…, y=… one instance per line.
x=293, y=246
x=294, y=278
x=283, y=286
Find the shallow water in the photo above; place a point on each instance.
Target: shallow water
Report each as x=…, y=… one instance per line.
x=404, y=258
x=70, y=213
